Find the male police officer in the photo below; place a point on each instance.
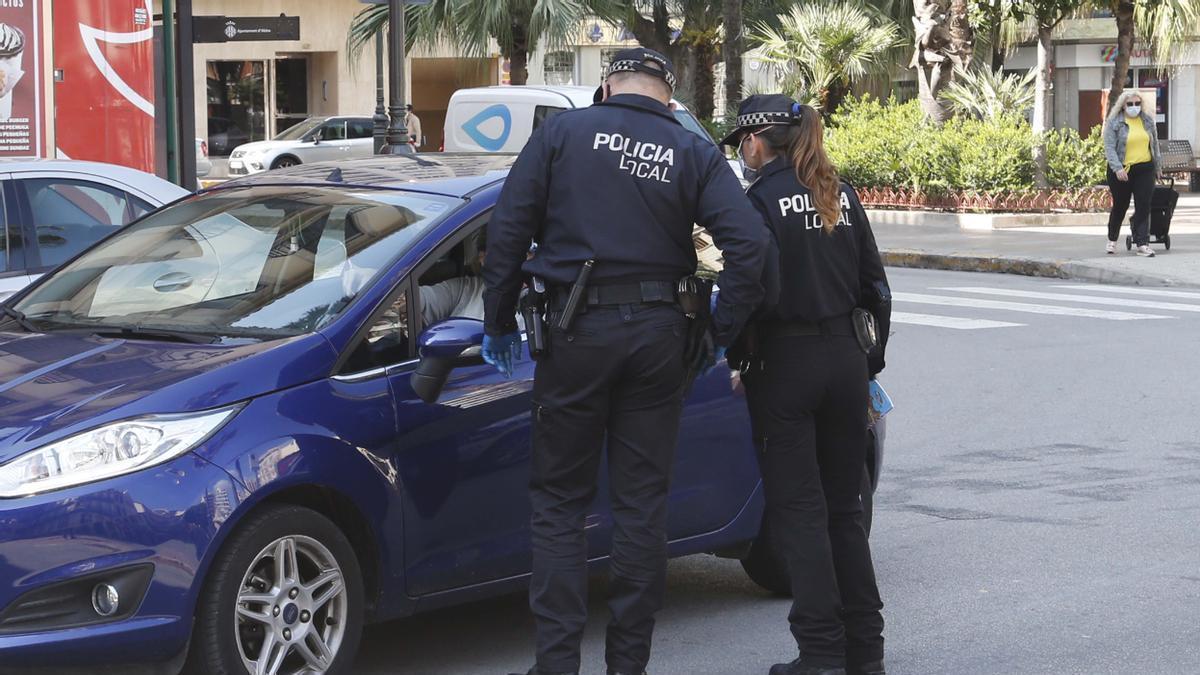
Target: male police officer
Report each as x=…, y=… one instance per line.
x=615, y=188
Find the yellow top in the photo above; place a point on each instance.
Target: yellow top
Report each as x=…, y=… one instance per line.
x=1137, y=146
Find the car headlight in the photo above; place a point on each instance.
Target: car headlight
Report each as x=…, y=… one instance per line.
x=111, y=450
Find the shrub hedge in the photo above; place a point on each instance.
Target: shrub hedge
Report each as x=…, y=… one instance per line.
x=889, y=144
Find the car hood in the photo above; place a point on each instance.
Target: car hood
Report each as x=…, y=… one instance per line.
x=266, y=146
x=57, y=384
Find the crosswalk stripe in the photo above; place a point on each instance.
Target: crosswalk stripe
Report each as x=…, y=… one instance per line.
x=956, y=322
x=1071, y=297
x=1028, y=307
x=1156, y=292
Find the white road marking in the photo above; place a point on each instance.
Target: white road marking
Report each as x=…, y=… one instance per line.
x=1156, y=292
x=1071, y=297
x=1028, y=307
x=956, y=322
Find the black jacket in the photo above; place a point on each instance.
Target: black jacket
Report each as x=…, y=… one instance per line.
x=621, y=183
x=821, y=276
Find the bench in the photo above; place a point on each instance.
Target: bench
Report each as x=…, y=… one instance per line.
x=1177, y=157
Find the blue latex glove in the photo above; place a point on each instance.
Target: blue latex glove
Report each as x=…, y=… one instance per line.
x=500, y=351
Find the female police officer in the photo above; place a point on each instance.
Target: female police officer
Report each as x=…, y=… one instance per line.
x=808, y=385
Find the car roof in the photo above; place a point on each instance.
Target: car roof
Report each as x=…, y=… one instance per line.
x=575, y=96
x=455, y=174
x=74, y=168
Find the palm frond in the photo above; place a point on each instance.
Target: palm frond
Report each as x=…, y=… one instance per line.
x=988, y=94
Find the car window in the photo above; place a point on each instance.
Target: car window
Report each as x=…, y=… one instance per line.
x=387, y=340
x=259, y=262
x=71, y=215
x=4, y=243
x=334, y=131
x=362, y=129
x=542, y=113
x=139, y=207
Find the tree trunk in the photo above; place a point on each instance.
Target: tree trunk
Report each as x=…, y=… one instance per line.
x=518, y=54
x=833, y=97
x=704, y=84
x=1123, y=12
x=1043, y=105
x=962, y=36
x=931, y=58
x=734, y=46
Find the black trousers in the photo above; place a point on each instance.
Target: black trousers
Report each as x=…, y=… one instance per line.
x=809, y=405
x=617, y=376
x=1141, y=187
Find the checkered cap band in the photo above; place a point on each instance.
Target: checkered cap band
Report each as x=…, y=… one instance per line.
x=759, y=119
x=639, y=67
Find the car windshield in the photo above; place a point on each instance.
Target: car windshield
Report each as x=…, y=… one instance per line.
x=689, y=122
x=259, y=262
x=298, y=131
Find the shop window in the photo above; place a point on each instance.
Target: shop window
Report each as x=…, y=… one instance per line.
x=559, y=68
x=237, y=104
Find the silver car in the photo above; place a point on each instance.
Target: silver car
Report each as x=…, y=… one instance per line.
x=316, y=139
x=53, y=209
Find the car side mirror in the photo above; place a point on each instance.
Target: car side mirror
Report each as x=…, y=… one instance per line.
x=442, y=347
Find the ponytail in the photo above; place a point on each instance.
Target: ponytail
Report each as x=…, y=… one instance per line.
x=803, y=143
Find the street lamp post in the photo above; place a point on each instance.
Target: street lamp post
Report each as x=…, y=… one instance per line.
x=381, y=118
x=397, y=135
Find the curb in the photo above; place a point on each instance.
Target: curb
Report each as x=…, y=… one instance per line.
x=1030, y=267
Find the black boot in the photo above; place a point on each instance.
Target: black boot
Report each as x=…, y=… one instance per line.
x=534, y=671
x=868, y=668
x=619, y=672
x=799, y=667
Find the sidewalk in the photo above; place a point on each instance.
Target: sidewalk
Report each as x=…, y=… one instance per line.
x=1061, y=252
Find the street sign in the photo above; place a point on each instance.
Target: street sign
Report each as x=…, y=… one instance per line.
x=246, y=28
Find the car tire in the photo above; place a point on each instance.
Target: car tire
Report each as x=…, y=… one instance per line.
x=764, y=564
x=244, y=606
x=285, y=162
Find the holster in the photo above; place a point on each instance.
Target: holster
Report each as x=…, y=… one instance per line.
x=865, y=329
x=532, y=305
x=694, y=295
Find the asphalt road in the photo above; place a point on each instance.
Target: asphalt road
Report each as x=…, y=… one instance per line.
x=1039, y=510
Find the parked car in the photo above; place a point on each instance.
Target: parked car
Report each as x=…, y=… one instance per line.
x=203, y=163
x=53, y=209
x=315, y=139
x=230, y=426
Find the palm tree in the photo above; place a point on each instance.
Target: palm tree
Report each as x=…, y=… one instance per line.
x=826, y=46
x=1165, y=25
x=733, y=48
x=990, y=94
x=518, y=26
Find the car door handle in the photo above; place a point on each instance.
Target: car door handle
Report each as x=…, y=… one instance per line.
x=173, y=281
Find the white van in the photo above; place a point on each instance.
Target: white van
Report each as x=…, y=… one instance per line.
x=502, y=118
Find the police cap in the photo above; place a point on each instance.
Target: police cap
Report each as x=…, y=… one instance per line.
x=763, y=110
x=639, y=60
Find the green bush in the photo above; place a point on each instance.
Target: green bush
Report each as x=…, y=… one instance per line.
x=889, y=144
x=868, y=140
x=1072, y=161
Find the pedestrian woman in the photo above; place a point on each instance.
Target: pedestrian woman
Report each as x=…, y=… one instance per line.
x=1131, y=148
x=808, y=385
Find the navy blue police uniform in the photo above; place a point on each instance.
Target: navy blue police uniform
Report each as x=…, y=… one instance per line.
x=808, y=392
x=622, y=184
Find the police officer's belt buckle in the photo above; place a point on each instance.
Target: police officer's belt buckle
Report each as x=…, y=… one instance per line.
x=865, y=329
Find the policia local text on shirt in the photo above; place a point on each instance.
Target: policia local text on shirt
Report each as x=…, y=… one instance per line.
x=618, y=185
x=807, y=384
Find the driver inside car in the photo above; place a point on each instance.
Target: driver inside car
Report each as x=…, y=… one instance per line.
x=458, y=297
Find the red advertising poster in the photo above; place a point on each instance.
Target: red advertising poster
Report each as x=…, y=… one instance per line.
x=104, y=96
x=21, y=97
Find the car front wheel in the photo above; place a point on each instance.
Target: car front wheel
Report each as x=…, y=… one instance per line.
x=284, y=162
x=284, y=596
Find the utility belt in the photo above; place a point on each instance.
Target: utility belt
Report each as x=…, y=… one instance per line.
x=556, y=307
x=641, y=293
x=859, y=324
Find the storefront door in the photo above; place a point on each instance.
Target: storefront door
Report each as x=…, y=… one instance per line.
x=237, y=104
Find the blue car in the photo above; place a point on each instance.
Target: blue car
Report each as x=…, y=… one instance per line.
x=248, y=423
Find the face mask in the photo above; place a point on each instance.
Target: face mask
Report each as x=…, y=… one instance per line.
x=1133, y=110
x=748, y=174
